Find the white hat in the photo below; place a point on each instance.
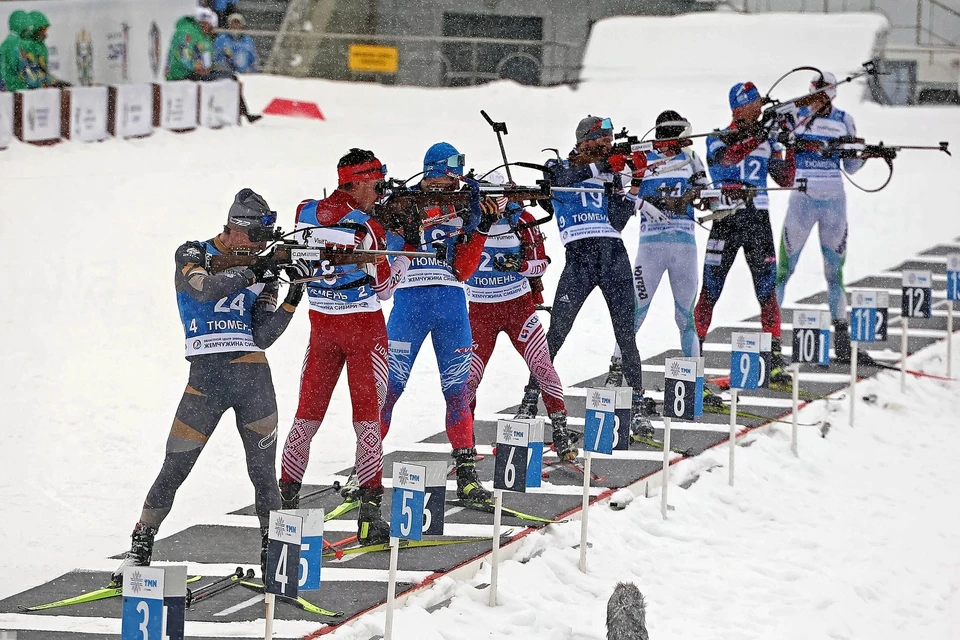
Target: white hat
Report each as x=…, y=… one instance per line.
x=236, y=16
x=819, y=81
x=203, y=14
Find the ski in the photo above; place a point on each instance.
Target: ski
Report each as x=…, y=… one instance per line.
x=344, y=507
x=300, y=603
x=90, y=596
x=724, y=384
x=725, y=411
x=225, y=584
x=572, y=465
x=650, y=441
x=406, y=544
x=487, y=507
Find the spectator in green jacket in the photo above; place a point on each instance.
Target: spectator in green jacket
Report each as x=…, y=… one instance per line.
x=11, y=60
x=36, y=57
x=191, y=54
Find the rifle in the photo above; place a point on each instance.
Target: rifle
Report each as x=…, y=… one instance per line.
x=288, y=253
x=410, y=211
x=703, y=197
x=847, y=147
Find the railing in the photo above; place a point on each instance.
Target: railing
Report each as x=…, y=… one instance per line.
x=922, y=29
x=555, y=62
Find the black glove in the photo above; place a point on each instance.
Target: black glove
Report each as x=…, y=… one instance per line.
x=510, y=262
x=265, y=269
x=294, y=294
x=299, y=269
x=489, y=214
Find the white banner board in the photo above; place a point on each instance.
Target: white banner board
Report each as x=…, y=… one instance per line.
x=131, y=110
x=107, y=41
x=175, y=105
x=6, y=119
x=37, y=115
x=86, y=118
x=219, y=103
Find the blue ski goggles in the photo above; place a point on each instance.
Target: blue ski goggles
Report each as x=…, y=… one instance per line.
x=440, y=168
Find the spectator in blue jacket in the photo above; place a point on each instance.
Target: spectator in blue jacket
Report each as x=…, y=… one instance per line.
x=235, y=51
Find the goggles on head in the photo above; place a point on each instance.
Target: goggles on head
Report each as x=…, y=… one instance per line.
x=602, y=129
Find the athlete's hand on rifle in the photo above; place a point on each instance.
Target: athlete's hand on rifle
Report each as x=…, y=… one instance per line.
x=297, y=270
x=294, y=294
x=509, y=262
x=265, y=269
x=617, y=162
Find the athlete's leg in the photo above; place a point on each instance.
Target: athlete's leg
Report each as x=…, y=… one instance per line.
x=801, y=216
x=484, y=327
x=682, y=270
x=761, y=257
x=366, y=354
x=322, y=365
x=648, y=269
x=722, y=247
x=200, y=409
x=530, y=340
x=257, y=422
x=616, y=281
x=406, y=331
x=453, y=345
x=833, y=244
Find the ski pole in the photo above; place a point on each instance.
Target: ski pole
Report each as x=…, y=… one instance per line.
x=192, y=595
x=316, y=492
x=234, y=580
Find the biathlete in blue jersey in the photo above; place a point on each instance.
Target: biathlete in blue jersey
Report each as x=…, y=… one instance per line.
x=590, y=223
x=229, y=318
x=430, y=300
x=744, y=155
x=824, y=204
x=667, y=242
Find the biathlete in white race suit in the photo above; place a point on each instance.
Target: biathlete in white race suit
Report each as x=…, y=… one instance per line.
x=501, y=299
x=667, y=242
x=824, y=203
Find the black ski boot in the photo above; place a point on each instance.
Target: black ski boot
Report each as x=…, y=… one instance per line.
x=371, y=527
x=141, y=551
x=615, y=373
x=643, y=408
x=710, y=399
x=468, y=485
x=289, y=495
x=563, y=443
x=528, y=406
x=778, y=368
x=264, y=541
x=841, y=345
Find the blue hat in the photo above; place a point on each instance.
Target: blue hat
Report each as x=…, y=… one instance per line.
x=743, y=93
x=441, y=158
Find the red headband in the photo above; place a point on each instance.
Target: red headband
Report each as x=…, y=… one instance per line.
x=372, y=170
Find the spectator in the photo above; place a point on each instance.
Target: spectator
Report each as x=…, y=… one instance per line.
x=36, y=73
x=11, y=60
x=223, y=9
x=191, y=54
x=235, y=50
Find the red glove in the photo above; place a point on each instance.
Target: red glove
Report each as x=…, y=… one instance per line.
x=617, y=162
x=639, y=162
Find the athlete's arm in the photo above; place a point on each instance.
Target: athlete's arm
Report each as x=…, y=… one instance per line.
x=269, y=321
x=535, y=258
x=203, y=286
x=782, y=169
x=851, y=165
x=561, y=176
x=388, y=274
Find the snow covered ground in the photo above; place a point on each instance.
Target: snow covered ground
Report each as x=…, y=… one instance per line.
x=856, y=538
x=93, y=369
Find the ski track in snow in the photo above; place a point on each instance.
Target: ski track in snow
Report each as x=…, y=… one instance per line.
x=856, y=539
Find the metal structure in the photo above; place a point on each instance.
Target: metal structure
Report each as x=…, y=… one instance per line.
x=920, y=50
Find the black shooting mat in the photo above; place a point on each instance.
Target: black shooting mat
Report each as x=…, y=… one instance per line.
x=367, y=587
